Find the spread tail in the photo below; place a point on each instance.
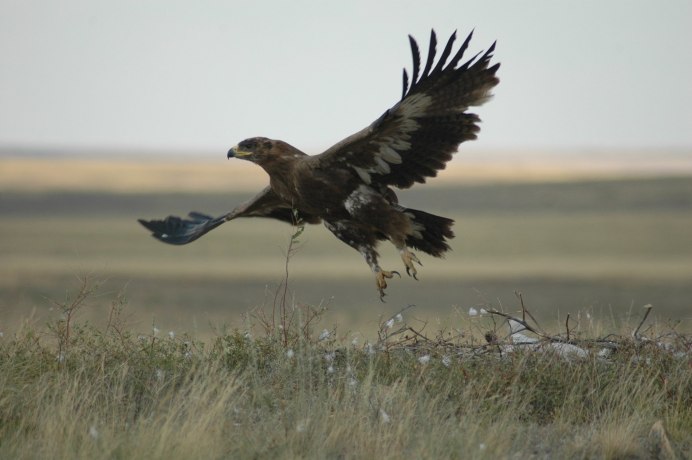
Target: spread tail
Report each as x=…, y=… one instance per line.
x=431, y=232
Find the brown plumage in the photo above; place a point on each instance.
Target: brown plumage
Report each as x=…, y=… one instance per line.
x=348, y=187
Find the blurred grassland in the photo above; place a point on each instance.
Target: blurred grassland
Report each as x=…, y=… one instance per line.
x=605, y=245
x=127, y=172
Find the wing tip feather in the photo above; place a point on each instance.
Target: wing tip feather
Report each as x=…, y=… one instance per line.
x=405, y=84
x=443, y=64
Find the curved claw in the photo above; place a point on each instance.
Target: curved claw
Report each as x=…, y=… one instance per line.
x=408, y=272
x=409, y=258
x=381, y=281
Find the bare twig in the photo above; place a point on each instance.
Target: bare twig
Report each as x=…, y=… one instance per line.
x=525, y=311
x=521, y=301
x=648, y=308
x=418, y=334
x=526, y=325
x=68, y=309
x=567, y=326
x=280, y=306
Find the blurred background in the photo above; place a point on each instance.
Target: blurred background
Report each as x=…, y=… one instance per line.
x=578, y=192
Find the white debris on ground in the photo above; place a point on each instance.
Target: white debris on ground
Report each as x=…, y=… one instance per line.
x=523, y=341
x=324, y=335
x=517, y=336
x=524, y=335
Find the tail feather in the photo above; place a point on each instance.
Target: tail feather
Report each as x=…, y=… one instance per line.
x=431, y=232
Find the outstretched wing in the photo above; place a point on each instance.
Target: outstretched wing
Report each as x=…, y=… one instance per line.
x=176, y=230
x=415, y=138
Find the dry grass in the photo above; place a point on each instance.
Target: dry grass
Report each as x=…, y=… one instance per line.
x=75, y=391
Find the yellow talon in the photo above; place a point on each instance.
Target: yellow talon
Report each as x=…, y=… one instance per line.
x=408, y=258
x=381, y=281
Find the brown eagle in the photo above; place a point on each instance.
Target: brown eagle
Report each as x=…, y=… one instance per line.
x=349, y=186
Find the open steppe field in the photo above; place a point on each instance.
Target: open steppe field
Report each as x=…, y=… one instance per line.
x=180, y=352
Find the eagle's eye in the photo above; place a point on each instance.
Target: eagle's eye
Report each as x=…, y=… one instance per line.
x=248, y=144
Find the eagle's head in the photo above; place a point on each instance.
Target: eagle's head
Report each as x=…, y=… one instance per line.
x=264, y=152
x=255, y=149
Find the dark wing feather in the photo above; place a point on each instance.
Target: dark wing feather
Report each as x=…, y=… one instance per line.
x=431, y=54
x=176, y=230
x=415, y=53
x=460, y=53
x=445, y=53
x=417, y=137
x=404, y=84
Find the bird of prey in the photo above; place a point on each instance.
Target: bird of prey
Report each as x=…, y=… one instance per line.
x=349, y=187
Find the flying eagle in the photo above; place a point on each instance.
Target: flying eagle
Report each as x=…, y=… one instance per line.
x=349, y=186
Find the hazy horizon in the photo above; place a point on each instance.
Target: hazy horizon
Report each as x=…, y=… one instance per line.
x=170, y=76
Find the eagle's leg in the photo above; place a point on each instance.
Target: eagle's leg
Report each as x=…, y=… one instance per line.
x=362, y=239
x=381, y=276
x=409, y=258
x=381, y=280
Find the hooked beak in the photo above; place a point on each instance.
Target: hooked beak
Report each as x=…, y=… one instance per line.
x=237, y=153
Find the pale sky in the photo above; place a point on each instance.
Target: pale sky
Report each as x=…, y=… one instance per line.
x=200, y=76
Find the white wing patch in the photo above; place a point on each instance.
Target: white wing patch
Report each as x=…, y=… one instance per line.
x=389, y=155
x=382, y=165
x=389, y=147
x=414, y=106
x=364, y=174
